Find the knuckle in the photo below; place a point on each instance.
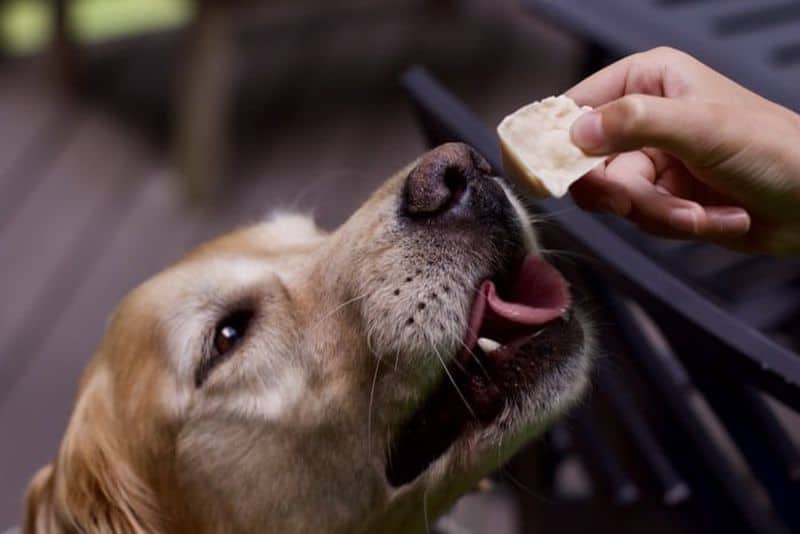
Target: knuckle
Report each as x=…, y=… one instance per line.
x=640, y=61
x=666, y=53
x=631, y=113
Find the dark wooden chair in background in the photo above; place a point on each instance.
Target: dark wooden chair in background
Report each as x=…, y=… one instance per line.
x=201, y=98
x=205, y=77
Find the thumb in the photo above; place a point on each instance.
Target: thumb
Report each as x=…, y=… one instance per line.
x=696, y=132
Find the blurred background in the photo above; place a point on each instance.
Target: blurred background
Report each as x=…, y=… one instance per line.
x=132, y=130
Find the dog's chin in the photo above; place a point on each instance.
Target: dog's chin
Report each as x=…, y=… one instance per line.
x=523, y=360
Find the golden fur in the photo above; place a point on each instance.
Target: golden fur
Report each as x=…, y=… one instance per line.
x=288, y=435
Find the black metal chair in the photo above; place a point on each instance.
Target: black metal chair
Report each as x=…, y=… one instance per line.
x=694, y=322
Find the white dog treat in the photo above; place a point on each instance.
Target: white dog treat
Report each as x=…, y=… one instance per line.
x=538, y=152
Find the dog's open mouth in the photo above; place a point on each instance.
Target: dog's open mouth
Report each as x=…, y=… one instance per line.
x=497, y=365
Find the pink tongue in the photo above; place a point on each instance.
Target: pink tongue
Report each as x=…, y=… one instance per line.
x=538, y=295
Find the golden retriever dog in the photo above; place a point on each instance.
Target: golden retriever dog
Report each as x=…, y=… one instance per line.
x=283, y=379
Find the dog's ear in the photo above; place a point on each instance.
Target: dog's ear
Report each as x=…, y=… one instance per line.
x=38, y=503
x=92, y=486
x=98, y=491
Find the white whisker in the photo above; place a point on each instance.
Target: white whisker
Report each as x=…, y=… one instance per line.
x=474, y=356
x=337, y=308
x=369, y=409
x=453, y=381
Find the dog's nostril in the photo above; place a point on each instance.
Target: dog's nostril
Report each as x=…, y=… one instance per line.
x=428, y=189
x=454, y=178
x=441, y=177
x=456, y=183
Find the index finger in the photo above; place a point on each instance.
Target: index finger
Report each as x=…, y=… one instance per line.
x=638, y=73
x=603, y=86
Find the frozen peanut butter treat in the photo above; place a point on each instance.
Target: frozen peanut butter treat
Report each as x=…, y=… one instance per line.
x=538, y=152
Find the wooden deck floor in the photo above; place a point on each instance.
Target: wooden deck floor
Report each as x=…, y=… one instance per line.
x=89, y=205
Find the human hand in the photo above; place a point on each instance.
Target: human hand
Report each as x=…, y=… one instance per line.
x=694, y=155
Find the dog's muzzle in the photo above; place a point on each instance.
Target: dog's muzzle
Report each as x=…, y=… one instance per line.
x=518, y=313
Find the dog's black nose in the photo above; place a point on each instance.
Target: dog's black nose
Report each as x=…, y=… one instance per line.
x=440, y=179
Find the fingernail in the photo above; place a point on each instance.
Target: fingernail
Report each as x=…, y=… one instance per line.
x=684, y=220
x=730, y=220
x=587, y=132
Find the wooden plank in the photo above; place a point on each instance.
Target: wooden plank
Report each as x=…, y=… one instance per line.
x=56, y=218
x=153, y=233
x=32, y=119
x=15, y=108
x=276, y=175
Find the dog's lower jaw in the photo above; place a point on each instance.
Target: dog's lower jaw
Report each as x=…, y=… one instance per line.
x=413, y=507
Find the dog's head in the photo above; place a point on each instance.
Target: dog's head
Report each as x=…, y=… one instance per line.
x=283, y=379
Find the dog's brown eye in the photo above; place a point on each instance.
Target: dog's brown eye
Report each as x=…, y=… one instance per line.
x=230, y=331
x=228, y=334
x=226, y=338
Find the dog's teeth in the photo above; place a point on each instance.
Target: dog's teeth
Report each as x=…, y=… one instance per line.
x=488, y=345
